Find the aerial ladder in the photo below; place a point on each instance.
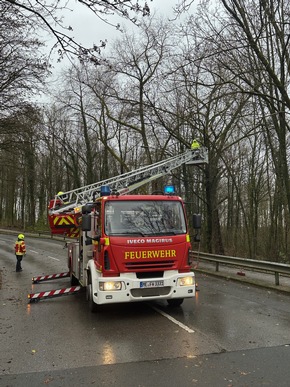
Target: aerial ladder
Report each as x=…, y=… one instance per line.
x=65, y=209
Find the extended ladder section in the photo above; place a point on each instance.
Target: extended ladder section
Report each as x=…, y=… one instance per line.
x=63, y=207
x=129, y=181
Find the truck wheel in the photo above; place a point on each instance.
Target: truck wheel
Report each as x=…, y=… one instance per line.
x=175, y=302
x=92, y=305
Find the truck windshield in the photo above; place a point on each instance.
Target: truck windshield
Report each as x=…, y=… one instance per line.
x=144, y=218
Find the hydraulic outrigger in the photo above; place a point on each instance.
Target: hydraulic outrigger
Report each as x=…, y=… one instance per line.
x=35, y=297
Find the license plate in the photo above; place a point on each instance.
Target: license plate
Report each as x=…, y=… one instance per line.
x=151, y=284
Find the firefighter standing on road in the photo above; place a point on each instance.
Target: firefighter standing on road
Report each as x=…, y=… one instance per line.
x=20, y=251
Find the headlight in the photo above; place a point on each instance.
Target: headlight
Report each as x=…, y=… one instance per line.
x=185, y=281
x=110, y=286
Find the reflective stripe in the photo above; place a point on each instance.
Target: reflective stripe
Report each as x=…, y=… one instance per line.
x=20, y=248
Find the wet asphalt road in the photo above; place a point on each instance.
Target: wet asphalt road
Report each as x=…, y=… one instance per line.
x=231, y=334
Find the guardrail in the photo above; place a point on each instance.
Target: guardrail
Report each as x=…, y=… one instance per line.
x=34, y=233
x=41, y=232
x=266, y=266
x=51, y=235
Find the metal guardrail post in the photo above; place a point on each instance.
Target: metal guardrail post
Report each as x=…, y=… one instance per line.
x=276, y=278
x=217, y=266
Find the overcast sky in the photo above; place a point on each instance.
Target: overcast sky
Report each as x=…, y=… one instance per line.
x=88, y=29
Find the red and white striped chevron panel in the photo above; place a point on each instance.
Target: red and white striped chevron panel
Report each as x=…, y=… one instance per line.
x=53, y=293
x=49, y=277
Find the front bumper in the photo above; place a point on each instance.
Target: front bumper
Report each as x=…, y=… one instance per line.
x=132, y=289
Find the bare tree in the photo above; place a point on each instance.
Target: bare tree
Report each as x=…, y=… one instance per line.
x=248, y=45
x=19, y=164
x=22, y=71
x=138, y=63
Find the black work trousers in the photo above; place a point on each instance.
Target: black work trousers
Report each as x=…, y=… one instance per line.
x=18, y=262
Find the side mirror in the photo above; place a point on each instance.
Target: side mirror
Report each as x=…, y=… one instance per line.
x=86, y=222
x=86, y=209
x=196, y=221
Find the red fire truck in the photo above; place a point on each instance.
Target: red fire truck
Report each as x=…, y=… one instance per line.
x=129, y=247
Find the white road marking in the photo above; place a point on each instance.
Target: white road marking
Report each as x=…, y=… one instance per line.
x=56, y=259
x=186, y=328
x=36, y=252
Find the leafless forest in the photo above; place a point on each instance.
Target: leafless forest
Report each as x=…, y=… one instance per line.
x=219, y=74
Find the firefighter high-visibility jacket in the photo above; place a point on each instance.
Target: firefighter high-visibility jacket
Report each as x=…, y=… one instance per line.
x=20, y=248
x=195, y=144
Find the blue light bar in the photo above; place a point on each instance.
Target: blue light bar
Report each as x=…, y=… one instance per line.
x=105, y=190
x=169, y=190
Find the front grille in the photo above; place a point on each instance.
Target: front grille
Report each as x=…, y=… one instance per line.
x=151, y=292
x=166, y=265
x=149, y=274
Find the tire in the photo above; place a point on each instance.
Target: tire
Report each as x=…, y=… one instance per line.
x=174, y=302
x=93, y=307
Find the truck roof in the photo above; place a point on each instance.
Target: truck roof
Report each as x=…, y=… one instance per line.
x=143, y=197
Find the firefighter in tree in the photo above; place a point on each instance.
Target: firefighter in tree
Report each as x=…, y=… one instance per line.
x=20, y=251
x=195, y=145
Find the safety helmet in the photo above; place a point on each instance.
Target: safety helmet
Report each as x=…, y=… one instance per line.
x=21, y=237
x=60, y=193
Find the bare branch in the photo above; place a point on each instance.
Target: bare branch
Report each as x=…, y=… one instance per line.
x=50, y=19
